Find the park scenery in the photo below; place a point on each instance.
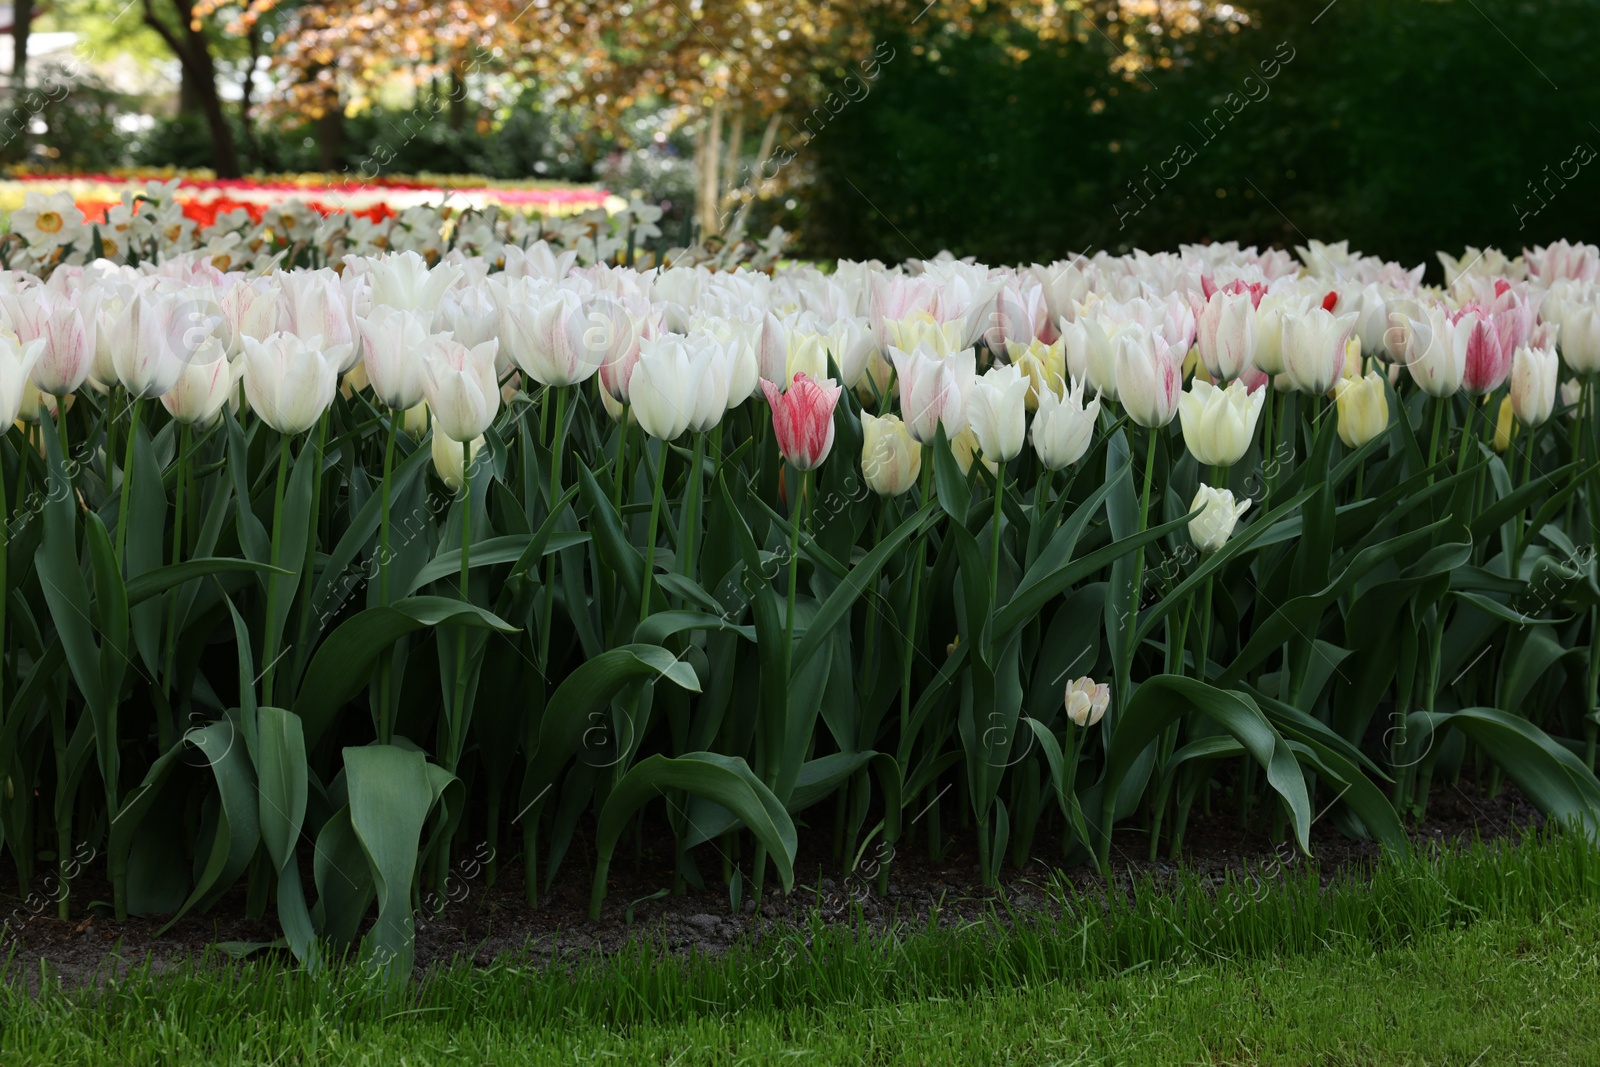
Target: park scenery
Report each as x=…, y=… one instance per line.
x=543, y=535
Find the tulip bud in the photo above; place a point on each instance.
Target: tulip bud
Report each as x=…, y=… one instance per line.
x=393, y=343
x=1504, y=427
x=964, y=447
x=1436, y=352
x=16, y=363
x=461, y=387
x=1087, y=701
x=997, y=412
x=450, y=458
x=1226, y=334
x=1219, y=424
x=1314, y=348
x=890, y=459
x=1534, y=372
x=415, y=420
x=1363, y=408
x=932, y=390
x=290, y=381
x=802, y=419
x=1149, y=376
x=205, y=384
x=1043, y=365
x=1211, y=528
x=1063, y=428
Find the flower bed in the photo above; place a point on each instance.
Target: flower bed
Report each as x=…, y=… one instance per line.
x=327, y=565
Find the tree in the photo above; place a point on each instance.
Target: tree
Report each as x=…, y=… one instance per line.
x=184, y=29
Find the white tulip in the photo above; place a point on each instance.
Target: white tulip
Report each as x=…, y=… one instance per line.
x=1063, y=428
x=1211, y=528
x=393, y=343
x=17, y=359
x=205, y=384
x=289, y=380
x=461, y=387
x=997, y=411
x=665, y=385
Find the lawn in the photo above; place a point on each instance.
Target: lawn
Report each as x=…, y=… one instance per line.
x=1486, y=955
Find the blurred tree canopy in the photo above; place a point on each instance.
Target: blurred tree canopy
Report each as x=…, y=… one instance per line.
x=1405, y=125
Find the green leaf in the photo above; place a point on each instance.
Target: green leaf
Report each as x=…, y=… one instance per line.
x=727, y=780
x=344, y=662
x=391, y=793
x=1163, y=699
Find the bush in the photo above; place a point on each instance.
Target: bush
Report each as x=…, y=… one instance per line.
x=1407, y=127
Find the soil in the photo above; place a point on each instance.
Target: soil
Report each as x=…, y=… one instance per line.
x=482, y=923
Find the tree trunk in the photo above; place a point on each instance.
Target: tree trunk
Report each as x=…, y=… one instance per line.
x=708, y=152
x=330, y=137
x=458, y=97
x=21, y=28
x=251, y=147
x=193, y=50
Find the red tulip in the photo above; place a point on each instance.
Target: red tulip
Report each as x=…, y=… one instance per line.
x=802, y=419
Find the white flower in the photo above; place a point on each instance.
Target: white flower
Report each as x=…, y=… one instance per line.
x=393, y=342
x=1211, y=528
x=997, y=411
x=1219, y=424
x=665, y=385
x=1063, y=428
x=461, y=387
x=290, y=381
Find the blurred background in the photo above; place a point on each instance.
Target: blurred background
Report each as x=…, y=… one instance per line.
x=1009, y=132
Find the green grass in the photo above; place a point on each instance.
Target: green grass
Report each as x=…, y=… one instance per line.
x=1491, y=955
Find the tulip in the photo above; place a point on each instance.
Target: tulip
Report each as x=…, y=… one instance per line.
x=1219, y=424
x=1087, y=701
x=67, y=355
x=404, y=280
x=450, y=459
x=415, y=419
x=461, y=387
x=1074, y=341
x=964, y=447
x=1363, y=407
x=932, y=391
x=855, y=351
x=908, y=334
x=721, y=362
x=1044, y=366
x=249, y=309
x=890, y=459
x=1149, y=377
x=1488, y=360
x=1100, y=356
x=1534, y=373
x=393, y=342
x=1226, y=334
x=17, y=360
x=802, y=419
x=1504, y=427
x=1270, y=316
x=664, y=385
x=1211, y=528
x=315, y=305
x=553, y=339
x=205, y=384
x=146, y=361
x=1314, y=348
x=1436, y=352
x=1580, y=333
x=1063, y=427
x=998, y=414
x=290, y=381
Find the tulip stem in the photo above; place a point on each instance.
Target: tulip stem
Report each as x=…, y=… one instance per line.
x=386, y=660
x=1433, y=442
x=127, y=481
x=918, y=560
x=795, y=514
x=618, y=476
x=557, y=439
x=177, y=557
x=1132, y=631
x=650, y=538
x=994, y=551
x=1202, y=660
x=691, y=506
x=458, y=719
x=269, y=649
